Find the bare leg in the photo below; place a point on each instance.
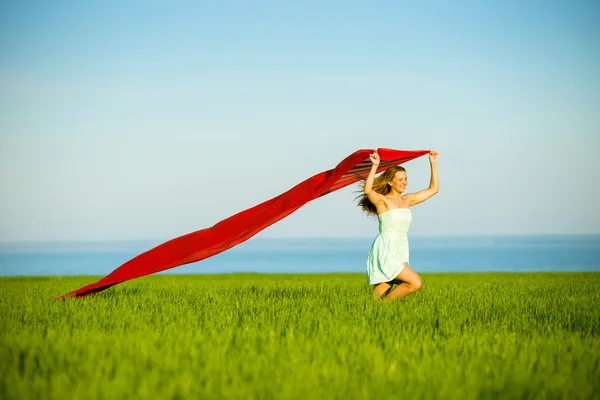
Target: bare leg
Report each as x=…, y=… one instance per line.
x=381, y=289
x=410, y=283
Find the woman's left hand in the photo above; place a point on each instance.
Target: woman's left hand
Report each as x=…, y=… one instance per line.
x=433, y=156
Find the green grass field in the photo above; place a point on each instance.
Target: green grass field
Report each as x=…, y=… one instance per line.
x=246, y=336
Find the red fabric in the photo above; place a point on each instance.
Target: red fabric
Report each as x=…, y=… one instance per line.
x=240, y=227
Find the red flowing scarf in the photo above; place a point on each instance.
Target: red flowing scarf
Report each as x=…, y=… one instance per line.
x=242, y=226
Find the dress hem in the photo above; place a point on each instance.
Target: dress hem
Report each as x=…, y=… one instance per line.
x=395, y=275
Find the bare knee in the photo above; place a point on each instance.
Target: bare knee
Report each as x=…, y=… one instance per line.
x=416, y=285
x=381, y=290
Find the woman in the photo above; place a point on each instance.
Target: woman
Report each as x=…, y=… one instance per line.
x=388, y=261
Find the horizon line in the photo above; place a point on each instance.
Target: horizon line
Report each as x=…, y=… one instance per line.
x=428, y=236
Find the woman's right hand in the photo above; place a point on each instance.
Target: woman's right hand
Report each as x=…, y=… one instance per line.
x=374, y=157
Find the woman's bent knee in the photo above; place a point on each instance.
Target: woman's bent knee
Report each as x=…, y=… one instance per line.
x=380, y=290
x=416, y=285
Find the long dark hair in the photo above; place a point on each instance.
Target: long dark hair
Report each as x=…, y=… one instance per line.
x=380, y=185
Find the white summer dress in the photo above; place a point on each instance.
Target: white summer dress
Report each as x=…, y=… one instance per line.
x=389, y=253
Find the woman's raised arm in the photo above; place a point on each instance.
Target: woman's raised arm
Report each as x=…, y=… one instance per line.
x=373, y=196
x=421, y=196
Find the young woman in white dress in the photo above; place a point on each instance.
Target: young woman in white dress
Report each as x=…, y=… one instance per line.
x=388, y=260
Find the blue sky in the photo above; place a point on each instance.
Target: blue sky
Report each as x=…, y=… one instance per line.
x=147, y=120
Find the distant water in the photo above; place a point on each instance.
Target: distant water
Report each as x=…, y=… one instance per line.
x=433, y=254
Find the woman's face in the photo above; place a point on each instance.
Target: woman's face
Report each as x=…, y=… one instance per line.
x=399, y=182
